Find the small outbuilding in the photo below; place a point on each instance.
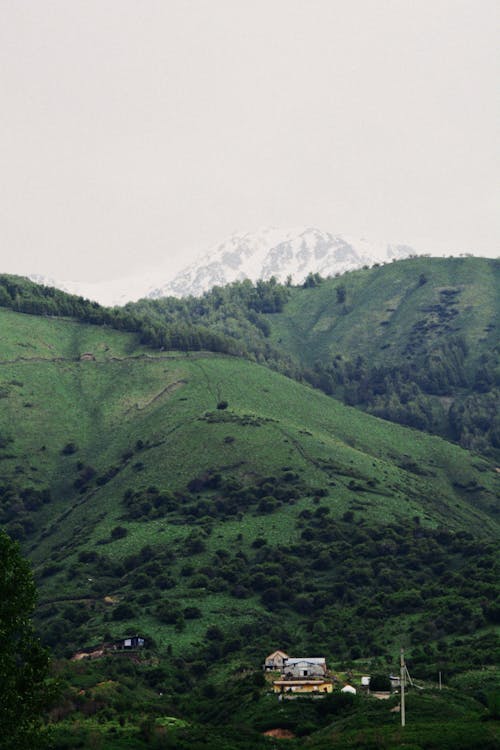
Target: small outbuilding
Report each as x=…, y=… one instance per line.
x=131, y=642
x=349, y=689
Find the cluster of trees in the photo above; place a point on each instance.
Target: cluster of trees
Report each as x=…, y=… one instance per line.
x=236, y=315
x=214, y=496
x=218, y=322
x=475, y=420
x=432, y=392
x=18, y=508
x=21, y=295
x=23, y=662
x=117, y=691
x=341, y=571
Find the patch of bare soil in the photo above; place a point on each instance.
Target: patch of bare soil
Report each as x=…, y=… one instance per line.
x=280, y=734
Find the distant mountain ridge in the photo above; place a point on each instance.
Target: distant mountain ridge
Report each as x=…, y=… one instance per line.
x=281, y=253
x=257, y=255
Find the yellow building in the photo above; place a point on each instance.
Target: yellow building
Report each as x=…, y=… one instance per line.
x=297, y=687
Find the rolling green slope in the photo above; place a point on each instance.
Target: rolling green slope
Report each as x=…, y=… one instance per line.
x=222, y=510
x=52, y=397
x=163, y=492
x=416, y=342
x=395, y=311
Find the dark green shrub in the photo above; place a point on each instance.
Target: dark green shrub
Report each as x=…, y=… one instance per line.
x=123, y=611
x=119, y=532
x=380, y=682
x=192, y=613
x=69, y=449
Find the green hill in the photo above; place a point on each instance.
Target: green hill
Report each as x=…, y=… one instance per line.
x=222, y=510
x=416, y=342
x=398, y=310
x=109, y=449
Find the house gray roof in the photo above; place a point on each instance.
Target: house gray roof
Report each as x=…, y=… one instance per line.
x=306, y=660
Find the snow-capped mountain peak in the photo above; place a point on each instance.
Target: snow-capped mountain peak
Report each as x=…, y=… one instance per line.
x=275, y=252
x=270, y=251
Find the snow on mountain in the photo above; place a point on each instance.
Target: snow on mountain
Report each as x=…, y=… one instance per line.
x=279, y=253
x=252, y=255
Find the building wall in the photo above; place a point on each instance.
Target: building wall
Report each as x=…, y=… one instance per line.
x=326, y=688
x=304, y=669
x=274, y=661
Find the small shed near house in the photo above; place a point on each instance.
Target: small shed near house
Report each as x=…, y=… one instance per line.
x=349, y=689
x=310, y=666
x=130, y=642
x=275, y=661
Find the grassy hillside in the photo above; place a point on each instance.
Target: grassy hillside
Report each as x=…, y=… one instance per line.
x=223, y=510
x=134, y=478
x=414, y=342
x=395, y=311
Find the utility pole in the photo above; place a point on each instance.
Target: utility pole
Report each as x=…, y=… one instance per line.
x=402, y=678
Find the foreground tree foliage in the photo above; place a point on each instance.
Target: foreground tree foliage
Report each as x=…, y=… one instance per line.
x=23, y=662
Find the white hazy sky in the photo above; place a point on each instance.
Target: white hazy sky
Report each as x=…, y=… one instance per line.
x=136, y=133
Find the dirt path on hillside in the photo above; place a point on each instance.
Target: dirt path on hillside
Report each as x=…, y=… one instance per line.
x=164, y=391
x=134, y=357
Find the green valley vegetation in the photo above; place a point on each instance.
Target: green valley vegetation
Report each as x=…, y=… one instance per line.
x=194, y=496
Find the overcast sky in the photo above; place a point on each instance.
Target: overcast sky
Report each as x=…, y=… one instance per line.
x=138, y=132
